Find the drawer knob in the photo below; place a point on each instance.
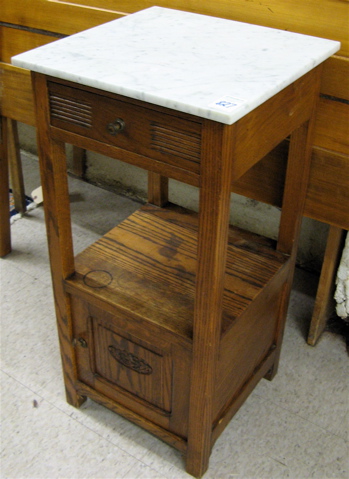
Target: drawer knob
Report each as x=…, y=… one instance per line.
x=116, y=127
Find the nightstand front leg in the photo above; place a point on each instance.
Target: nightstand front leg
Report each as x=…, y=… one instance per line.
x=54, y=181
x=215, y=187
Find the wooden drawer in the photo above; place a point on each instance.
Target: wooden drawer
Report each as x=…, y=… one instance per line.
x=127, y=125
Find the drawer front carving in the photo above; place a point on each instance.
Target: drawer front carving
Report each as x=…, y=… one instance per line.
x=150, y=133
x=71, y=111
x=175, y=142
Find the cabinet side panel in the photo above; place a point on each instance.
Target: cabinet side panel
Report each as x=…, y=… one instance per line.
x=245, y=347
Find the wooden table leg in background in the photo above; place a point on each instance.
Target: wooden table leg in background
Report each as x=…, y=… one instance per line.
x=324, y=303
x=5, y=230
x=15, y=165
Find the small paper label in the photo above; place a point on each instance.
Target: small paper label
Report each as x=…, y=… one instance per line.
x=227, y=103
x=37, y=195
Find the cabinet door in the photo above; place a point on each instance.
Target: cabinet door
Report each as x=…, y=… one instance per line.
x=131, y=365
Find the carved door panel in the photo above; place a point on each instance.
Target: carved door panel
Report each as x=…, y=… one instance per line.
x=132, y=365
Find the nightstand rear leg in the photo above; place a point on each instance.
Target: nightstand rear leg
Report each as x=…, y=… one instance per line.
x=296, y=183
x=157, y=189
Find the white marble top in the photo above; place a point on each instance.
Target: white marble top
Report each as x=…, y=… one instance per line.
x=206, y=66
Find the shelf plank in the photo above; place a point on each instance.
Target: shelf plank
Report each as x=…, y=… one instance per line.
x=146, y=266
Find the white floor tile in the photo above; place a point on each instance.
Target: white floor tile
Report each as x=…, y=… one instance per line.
x=278, y=441
x=40, y=441
x=312, y=381
x=142, y=471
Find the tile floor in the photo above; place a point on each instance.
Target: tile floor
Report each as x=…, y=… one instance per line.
x=293, y=427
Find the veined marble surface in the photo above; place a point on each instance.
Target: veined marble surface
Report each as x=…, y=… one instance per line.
x=206, y=66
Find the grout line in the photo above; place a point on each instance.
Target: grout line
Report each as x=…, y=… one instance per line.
x=23, y=385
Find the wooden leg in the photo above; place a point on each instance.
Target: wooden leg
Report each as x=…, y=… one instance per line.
x=296, y=182
x=283, y=306
x=324, y=303
x=58, y=226
x=54, y=179
x=157, y=189
x=5, y=229
x=79, y=161
x=211, y=261
x=15, y=163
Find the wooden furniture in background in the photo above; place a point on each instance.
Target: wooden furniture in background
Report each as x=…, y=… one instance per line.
x=23, y=28
x=5, y=241
x=323, y=308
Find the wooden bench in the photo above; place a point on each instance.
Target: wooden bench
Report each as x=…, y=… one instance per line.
x=327, y=201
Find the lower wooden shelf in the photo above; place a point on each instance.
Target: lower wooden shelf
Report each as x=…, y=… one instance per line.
x=132, y=301
x=146, y=267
